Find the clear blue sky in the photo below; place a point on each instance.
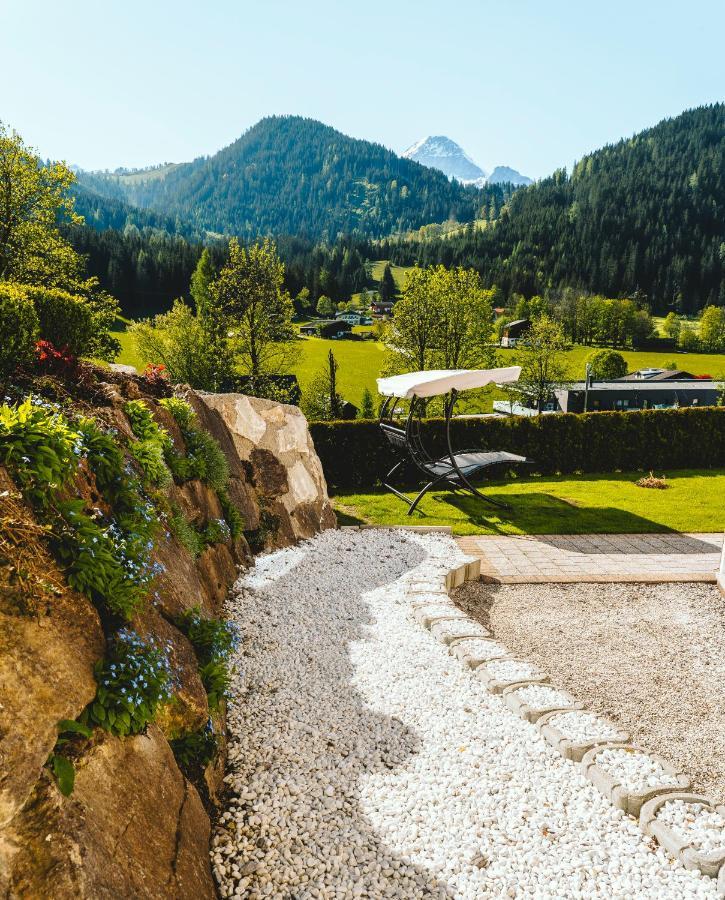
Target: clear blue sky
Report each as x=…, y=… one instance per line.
x=526, y=83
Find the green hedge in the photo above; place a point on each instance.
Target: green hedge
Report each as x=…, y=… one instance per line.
x=355, y=455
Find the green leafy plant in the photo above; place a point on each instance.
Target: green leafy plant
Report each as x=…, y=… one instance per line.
x=61, y=765
x=232, y=516
x=134, y=680
x=204, y=457
x=195, y=749
x=185, y=533
x=40, y=447
x=153, y=446
x=214, y=641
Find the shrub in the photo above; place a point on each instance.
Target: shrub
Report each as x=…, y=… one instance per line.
x=66, y=320
x=18, y=327
x=134, y=679
x=355, y=456
x=57, y=362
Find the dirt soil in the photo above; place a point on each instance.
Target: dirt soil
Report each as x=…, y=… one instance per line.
x=649, y=657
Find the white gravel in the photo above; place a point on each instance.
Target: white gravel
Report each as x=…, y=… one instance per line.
x=703, y=828
x=365, y=761
x=634, y=770
x=583, y=727
x=539, y=696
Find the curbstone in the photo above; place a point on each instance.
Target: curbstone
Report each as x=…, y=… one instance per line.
x=707, y=863
x=496, y=684
x=427, y=598
x=472, y=652
x=429, y=613
x=450, y=630
x=630, y=802
x=570, y=749
x=532, y=713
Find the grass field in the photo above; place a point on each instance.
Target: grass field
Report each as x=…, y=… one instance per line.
x=360, y=363
x=558, y=505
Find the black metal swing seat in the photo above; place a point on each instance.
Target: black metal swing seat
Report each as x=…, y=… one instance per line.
x=455, y=470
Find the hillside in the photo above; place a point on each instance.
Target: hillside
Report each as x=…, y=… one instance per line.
x=644, y=214
x=290, y=175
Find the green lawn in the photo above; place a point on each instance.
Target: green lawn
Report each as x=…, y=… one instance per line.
x=400, y=273
x=564, y=504
x=360, y=363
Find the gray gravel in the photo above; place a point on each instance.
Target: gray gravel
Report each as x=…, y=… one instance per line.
x=649, y=657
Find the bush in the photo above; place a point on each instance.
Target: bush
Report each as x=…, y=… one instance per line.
x=355, y=456
x=18, y=327
x=66, y=320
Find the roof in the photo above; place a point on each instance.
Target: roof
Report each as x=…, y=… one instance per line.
x=643, y=384
x=658, y=375
x=437, y=382
x=517, y=322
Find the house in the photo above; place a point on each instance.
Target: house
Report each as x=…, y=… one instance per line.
x=624, y=394
x=514, y=331
x=326, y=328
x=353, y=318
x=382, y=308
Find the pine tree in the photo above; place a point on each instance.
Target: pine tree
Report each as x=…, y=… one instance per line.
x=201, y=281
x=367, y=407
x=386, y=286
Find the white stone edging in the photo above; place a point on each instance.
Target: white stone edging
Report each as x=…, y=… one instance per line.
x=708, y=863
x=629, y=801
x=532, y=713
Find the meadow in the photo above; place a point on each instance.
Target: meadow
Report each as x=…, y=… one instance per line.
x=360, y=363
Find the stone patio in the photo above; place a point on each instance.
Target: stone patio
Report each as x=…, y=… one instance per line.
x=652, y=558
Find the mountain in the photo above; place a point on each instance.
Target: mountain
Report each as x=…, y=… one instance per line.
x=644, y=215
x=291, y=175
x=440, y=152
x=505, y=175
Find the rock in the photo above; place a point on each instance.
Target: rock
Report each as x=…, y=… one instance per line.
x=275, y=440
x=144, y=836
x=47, y=653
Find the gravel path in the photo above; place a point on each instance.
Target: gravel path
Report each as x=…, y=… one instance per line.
x=649, y=657
x=365, y=761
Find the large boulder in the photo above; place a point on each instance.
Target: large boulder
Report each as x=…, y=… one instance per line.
x=273, y=438
x=133, y=827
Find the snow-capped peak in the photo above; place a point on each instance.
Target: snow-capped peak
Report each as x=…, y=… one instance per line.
x=440, y=152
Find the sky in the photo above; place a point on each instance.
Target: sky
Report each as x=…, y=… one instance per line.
x=533, y=84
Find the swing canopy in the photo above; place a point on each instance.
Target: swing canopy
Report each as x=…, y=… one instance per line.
x=437, y=382
x=456, y=469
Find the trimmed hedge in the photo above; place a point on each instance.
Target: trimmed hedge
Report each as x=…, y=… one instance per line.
x=355, y=455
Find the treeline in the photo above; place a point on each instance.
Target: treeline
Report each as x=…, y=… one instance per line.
x=646, y=214
x=147, y=268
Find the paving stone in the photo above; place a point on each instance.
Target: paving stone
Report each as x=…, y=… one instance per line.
x=451, y=630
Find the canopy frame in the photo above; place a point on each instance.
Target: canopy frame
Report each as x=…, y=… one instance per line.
x=454, y=470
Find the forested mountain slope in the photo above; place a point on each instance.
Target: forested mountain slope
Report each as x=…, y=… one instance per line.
x=647, y=214
x=291, y=175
